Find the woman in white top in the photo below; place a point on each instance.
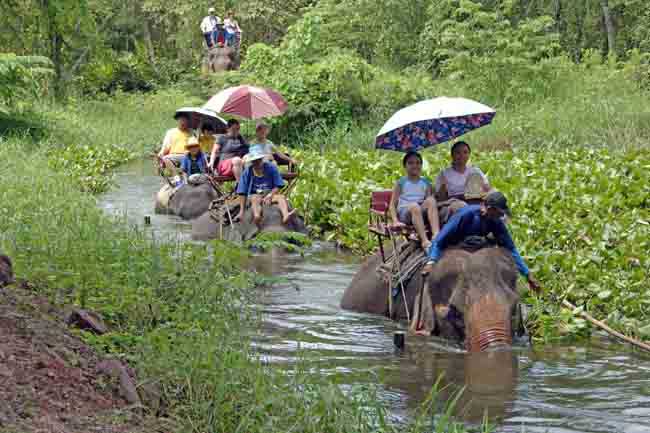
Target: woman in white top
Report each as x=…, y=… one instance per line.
x=231, y=28
x=452, y=180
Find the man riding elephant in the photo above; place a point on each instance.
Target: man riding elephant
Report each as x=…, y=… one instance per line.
x=479, y=220
x=468, y=294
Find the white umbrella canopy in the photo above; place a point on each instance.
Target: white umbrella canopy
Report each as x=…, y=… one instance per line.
x=431, y=122
x=200, y=116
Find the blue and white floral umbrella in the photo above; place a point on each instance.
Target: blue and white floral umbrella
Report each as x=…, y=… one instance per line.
x=431, y=122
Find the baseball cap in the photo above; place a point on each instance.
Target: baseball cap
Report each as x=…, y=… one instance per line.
x=499, y=201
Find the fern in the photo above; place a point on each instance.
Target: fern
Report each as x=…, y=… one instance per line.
x=21, y=78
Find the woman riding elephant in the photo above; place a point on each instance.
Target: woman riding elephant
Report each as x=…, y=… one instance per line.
x=470, y=296
x=228, y=152
x=459, y=183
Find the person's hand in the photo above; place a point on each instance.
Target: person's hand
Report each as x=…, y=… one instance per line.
x=533, y=284
x=293, y=162
x=239, y=217
x=267, y=199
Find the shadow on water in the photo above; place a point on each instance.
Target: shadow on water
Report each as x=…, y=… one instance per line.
x=596, y=387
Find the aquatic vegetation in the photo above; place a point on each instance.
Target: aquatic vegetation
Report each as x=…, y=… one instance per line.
x=581, y=218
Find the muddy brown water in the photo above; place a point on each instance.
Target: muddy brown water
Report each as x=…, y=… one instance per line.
x=597, y=386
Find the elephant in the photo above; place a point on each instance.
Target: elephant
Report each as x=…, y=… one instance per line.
x=470, y=297
x=188, y=201
x=218, y=59
x=6, y=271
x=206, y=227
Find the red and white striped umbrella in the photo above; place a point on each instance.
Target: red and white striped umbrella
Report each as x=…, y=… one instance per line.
x=248, y=102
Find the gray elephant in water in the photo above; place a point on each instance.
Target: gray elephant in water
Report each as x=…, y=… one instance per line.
x=6, y=271
x=471, y=297
x=188, y=201
x=207, y=227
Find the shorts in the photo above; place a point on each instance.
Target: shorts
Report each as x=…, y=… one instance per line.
x=224, y=168
x=405, y=216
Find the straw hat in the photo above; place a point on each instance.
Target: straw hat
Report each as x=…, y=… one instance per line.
x=192, y=142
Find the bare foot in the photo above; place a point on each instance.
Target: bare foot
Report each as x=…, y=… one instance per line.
x=427, y=269
x=257, y=220
x=290, y=215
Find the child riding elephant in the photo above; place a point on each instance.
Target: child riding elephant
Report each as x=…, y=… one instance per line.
x=261, y=182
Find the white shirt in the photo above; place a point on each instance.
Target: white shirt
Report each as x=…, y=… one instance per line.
x=456, y=181
x=209, y=24
x=231, y=26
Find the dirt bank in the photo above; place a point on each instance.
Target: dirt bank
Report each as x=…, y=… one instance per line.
x=50, y=381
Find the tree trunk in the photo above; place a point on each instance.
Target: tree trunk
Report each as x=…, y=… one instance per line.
x=580, y=30
x=56, y=46
x=146, y=32
x=609, y=27
x=558, y=16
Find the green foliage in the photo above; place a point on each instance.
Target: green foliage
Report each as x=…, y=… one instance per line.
x=484, y=49
x=578, y=212
x=22, y=78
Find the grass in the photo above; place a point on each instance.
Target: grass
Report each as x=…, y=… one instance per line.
x=179, y=312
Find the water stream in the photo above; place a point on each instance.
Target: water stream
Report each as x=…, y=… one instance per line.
x=594, y=387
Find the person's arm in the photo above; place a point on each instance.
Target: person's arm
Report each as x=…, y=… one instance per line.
x=283, y=156
x=392, y=206
x=242, y=186
x=216, y=148
x=504, y=238
x=278, y=182
x=167, y=144
x=486, y=183
x=442, y=189
x=429, y=191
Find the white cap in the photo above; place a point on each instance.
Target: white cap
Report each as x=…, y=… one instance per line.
x=211, y=10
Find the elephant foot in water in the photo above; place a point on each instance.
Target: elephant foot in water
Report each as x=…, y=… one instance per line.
x=208, y=227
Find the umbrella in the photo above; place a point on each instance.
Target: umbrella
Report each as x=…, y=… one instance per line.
x=431, y=122
x=248, y=102
x=199, y=116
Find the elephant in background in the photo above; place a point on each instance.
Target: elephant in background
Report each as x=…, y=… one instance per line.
x=471, y=297
x=188, y=201
x=218, y=59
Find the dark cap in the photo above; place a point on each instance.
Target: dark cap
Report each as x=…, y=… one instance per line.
x=498, y=201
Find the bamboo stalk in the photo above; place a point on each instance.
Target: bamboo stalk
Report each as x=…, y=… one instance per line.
x=607, y=329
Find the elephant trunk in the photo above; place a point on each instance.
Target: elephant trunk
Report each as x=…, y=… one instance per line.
x=488, y=325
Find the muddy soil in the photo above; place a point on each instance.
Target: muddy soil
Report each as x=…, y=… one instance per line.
x=50, y=380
